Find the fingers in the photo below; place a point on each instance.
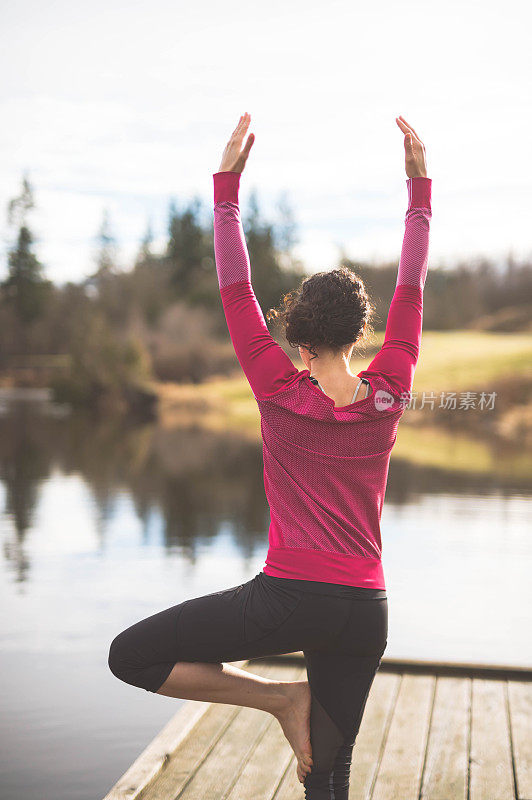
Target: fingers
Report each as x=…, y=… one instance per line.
x=406, y=128
x=237, y=127
x=403, y=125
x=243, y=124
x=234, y=156
x=248, y=145
x=409, y=127
x=407, y=133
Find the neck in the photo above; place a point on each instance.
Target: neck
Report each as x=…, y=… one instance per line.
x=329, y=372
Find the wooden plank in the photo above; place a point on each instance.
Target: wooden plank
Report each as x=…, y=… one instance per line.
x=150, y=762
x=367, y=743
x=216, y=774
x=491, y=764
x=520, y=712
x=416, y=666
x=156, y=755
x=446, y=766
x=211, y=750
x=264, y=770
x=183, y=762
x=290, y=788
x=367, y=746
x=399, y=775
x=456, y=668
x=189, y=758
x=370, y=740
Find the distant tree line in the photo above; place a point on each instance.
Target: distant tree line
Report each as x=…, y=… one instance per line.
x=472, y=293
x=162, y=317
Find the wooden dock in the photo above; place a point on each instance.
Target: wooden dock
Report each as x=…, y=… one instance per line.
x=430, y=731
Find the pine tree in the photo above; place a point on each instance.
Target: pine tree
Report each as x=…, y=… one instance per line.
x=106, y=253
x=25, y=287
x=145, y=253
x=186, y=245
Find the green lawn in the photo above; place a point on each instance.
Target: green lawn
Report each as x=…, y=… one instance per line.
x=456, y=452
x=449, y=361
x=461, y=360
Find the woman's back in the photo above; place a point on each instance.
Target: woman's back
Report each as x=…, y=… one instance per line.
x=325, y=466
x=325, y=473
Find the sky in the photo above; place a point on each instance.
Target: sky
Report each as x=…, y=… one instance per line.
x=123, y=106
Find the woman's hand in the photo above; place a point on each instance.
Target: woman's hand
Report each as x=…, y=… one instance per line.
x=234, y=156
x=415, y=160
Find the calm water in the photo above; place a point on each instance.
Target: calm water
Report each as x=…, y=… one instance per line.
x=104, y=524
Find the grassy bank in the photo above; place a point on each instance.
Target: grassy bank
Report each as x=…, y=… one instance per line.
x=450, y=361
x=460, y=452
x=464, y=360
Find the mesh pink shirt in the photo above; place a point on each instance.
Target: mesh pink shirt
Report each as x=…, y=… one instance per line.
x=325, y=466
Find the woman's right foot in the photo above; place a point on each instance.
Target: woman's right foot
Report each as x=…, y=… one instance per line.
x=294, y=719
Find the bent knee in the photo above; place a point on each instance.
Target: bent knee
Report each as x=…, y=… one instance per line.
x=133, y=664
x=127, y=659
x=117, y=659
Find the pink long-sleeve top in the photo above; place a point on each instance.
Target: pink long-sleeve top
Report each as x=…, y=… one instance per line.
x=325, y=466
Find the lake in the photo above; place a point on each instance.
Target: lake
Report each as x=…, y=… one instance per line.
x=105, y=523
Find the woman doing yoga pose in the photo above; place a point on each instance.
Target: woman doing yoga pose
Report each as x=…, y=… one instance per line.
x=327, y=439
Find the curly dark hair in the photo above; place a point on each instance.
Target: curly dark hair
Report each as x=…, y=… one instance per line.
x=329, y=309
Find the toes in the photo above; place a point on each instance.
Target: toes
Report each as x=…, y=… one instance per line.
x=305, y=765
x=301, y=776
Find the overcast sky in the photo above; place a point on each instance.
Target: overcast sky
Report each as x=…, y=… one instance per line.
x=124, y=105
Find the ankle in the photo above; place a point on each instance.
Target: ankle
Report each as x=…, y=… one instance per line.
x=282, y=698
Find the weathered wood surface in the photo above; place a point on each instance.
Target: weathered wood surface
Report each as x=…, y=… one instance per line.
x=157, y=754
x=446, y=766
x=423, y=737
x=491, y=757
x=402, y=760
x=519, y=701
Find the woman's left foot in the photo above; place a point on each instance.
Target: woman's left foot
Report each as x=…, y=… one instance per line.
x=294, y=719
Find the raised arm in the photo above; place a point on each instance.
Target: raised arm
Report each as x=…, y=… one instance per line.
x=398, y=356
x=265, y=364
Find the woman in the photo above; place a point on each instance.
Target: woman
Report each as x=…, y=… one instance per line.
x=327, y=438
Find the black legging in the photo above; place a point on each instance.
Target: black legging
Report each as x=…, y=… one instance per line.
x=342, y=631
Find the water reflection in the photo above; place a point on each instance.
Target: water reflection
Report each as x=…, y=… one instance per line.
x=105, y=523
x=193, y=478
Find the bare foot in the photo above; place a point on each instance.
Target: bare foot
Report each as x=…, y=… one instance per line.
x=295, y=722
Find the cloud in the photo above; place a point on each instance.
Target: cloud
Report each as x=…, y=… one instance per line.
x=132, y=104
